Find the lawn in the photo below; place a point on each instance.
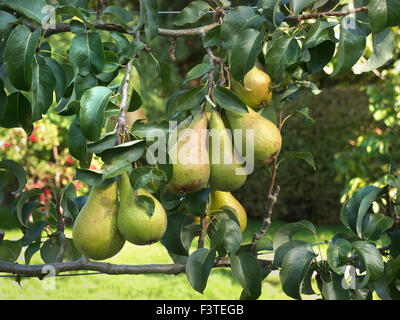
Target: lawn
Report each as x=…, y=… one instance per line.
x=221, y=285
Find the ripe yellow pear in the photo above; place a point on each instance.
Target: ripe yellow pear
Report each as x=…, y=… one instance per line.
x=255, y=92
x=220, y=199
x=95, y=233
x=189, y=156
x=134, y=224
x=267, y=137
x=226, y=173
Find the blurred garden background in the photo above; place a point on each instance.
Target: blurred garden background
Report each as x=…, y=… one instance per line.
x=352, y=132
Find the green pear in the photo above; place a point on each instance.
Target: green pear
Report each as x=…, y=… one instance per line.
x=226, y=173
x=267, y=137
x=255, y=92
x=95, y=232
x=134, y=224
x=220, y=199
x=177, y=131
x=189, y=157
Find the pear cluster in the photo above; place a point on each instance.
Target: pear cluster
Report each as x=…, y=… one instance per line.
x=204, y=154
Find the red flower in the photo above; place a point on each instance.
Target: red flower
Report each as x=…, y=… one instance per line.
x=6, y=144
x=32, y=138
x=69, y=161
x=47, y=192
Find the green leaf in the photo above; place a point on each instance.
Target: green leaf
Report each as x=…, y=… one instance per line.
x=106, y=141
x=308, y=120
x=73, y=11
x=31, y=250
x=51, y=247
x=198, y=267
x=332, y=288
x=21, y=201
x=365, y=204
x=375, y=224
x=197, y=71
x=299, y=5
x=116, y=168
x=17, y=113
x=247, y=271
x=18, y=56
x=93, y=103
x=92, y=177
x=195, y=203
x=372, y=259
x=77, y=142
x=123, y=16
x=306, y=156
x=148, y=17
x=43, y=85
x=283, y=53
x=382, y=46
x=212, y=37
x=10, y=250
x=190, y=99
x=236, y=20
x=3, y=102
x=33, y=233
x=295, y=266
x=35, y=10
x=59, y=75
x=393, y=13
x=192, y=13
x=337, y=253
x=15, y=169
x=130, y=151
x=283, y=249
x=140, y=177
x=125, y=47
x=135, y=101
x=229, y=100
x=87, y=53
x=247, y=46
x=351, y=45
x=319, y=32
x=150, y=129
x=6, y=19
x=377, y=15
x=350, y=209
x=285, y=233
x=181, y=229
x=147, y=203
x=320, y=56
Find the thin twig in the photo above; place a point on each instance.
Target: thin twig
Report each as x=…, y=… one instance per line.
x=100, y=10
x=204, y=225
x=316, y=15
x=60, y=229
x=121, y=120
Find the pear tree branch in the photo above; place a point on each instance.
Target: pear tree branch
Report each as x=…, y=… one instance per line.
x=106, y=268
x=60, y=229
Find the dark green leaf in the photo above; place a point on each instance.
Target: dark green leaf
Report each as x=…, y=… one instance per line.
x=306, y=156
x=198, y=267
x=33, y=233
x=59, y=75
x=93, y=104
x=246, y=47
x=10, y=250
x=150, y=129
x=106, y=141
x=212, y=37
x=319, y=32
x=6, y=19
x=351, y=45
x=77, y=142
x=149, y=16
x=377, y=15
x=123, y=16
x=15, y=169
x=43, y=85
x=30, y=251
x=36, y=10
x=282, y=250
x=295, y=266
x=299, y=5
x=140, y=177
x=192, y=13
x=337, y=253
x=227, y=99
x=320, y=56
x=21, y=201
x=19, y=54
x=393, y=12
x=130, y=151
x=87, y=53
x=147, y=203
x=197, y=71
x=247, y=271
x=92, y=177
x=382, y=46
x=190, y=99
x=195, y=203
x=285, y=233
x=18, y=113
x=116, y=168
x=374, y=225
x=125, y=47
x=332, y=288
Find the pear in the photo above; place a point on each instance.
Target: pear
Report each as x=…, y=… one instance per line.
x=177, y=131
x=220, y=199
x=255, y=92
x=226, y=173
x=189, y=156
x=95, y=233
x=267, y=137
x=134, y=224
